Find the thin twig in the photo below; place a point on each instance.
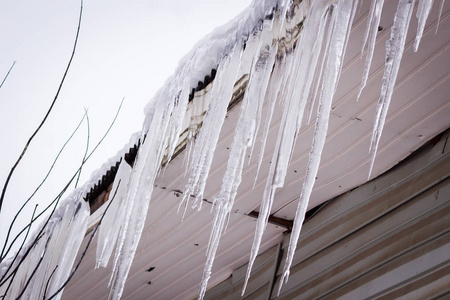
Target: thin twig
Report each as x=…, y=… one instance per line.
x=7, y=74
x=29, y=228
x=107, y=131
x=87, y=144
x=46, y=115
x=31, y=223
x=48, y=281
x=70, y=182
x=23, y=242
x=34, y=270
x=9, y=286
x=14, y=272
x=87, y=246
x=35, y=191
x=3, y=280
x=55, y=202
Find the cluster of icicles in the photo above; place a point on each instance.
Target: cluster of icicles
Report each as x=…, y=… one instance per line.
x=299, y=78
x=41, y=269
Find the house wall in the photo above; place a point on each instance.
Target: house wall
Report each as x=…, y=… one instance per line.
x=389, y=238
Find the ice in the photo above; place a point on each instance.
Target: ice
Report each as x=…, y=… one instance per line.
x=244, y=138
x=422, y=14
x=298, y=78
x=340, y=24
x=139, y=191
x=114, y=216
x=370, y=37
x=304, y=78
x=162, y=128
x=394, y=52
x=272, y=94
x=441, y=7
x=46, y=265
x=206, y=141
x=72, y=235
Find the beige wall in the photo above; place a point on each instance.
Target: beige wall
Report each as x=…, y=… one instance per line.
x=388, y=238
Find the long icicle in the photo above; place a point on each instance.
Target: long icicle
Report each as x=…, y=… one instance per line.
x=342, y=19
x=304, y=64
x=422, y=14
x=394, y=52
x=244, y=138
x=370, y=37
x=206, y=141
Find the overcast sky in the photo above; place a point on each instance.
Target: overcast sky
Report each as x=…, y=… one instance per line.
x=125, y=49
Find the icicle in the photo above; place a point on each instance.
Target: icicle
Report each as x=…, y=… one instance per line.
x=441, y=8
x=108, y=231
x=277, y=79
x=217, y=229
x=305, y=67
x=247, y=129
x=394, y=52
x=317, y=76
x=73, y=233
x=51, y=258
x=343, y=15
x=271, y=96
x=206, y=140
x=370, y=36
x=422, y=14
x=139, y=192
x=163, y=126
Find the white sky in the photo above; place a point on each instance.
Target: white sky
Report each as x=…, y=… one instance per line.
x=125, y=49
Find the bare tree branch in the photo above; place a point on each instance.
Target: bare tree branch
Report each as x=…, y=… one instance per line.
x=87, y=144
x=2, y=255
x=55, y=202
x=5, y=278
x=14, y=272
x=107, y=131
x=48, y=281
x=23, y=242
x=7, y=74
x=67, y=186
x=34, y=270
x=46, y=115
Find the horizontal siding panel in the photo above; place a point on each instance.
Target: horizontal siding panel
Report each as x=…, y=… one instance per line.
x=432, y=285
x=335, y=267
x=365, y=208
x=359, y=243
x=416, y=261
x=389, y=238
x=261, y=277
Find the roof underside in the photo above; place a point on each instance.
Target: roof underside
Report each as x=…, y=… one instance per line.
x=420, y=109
